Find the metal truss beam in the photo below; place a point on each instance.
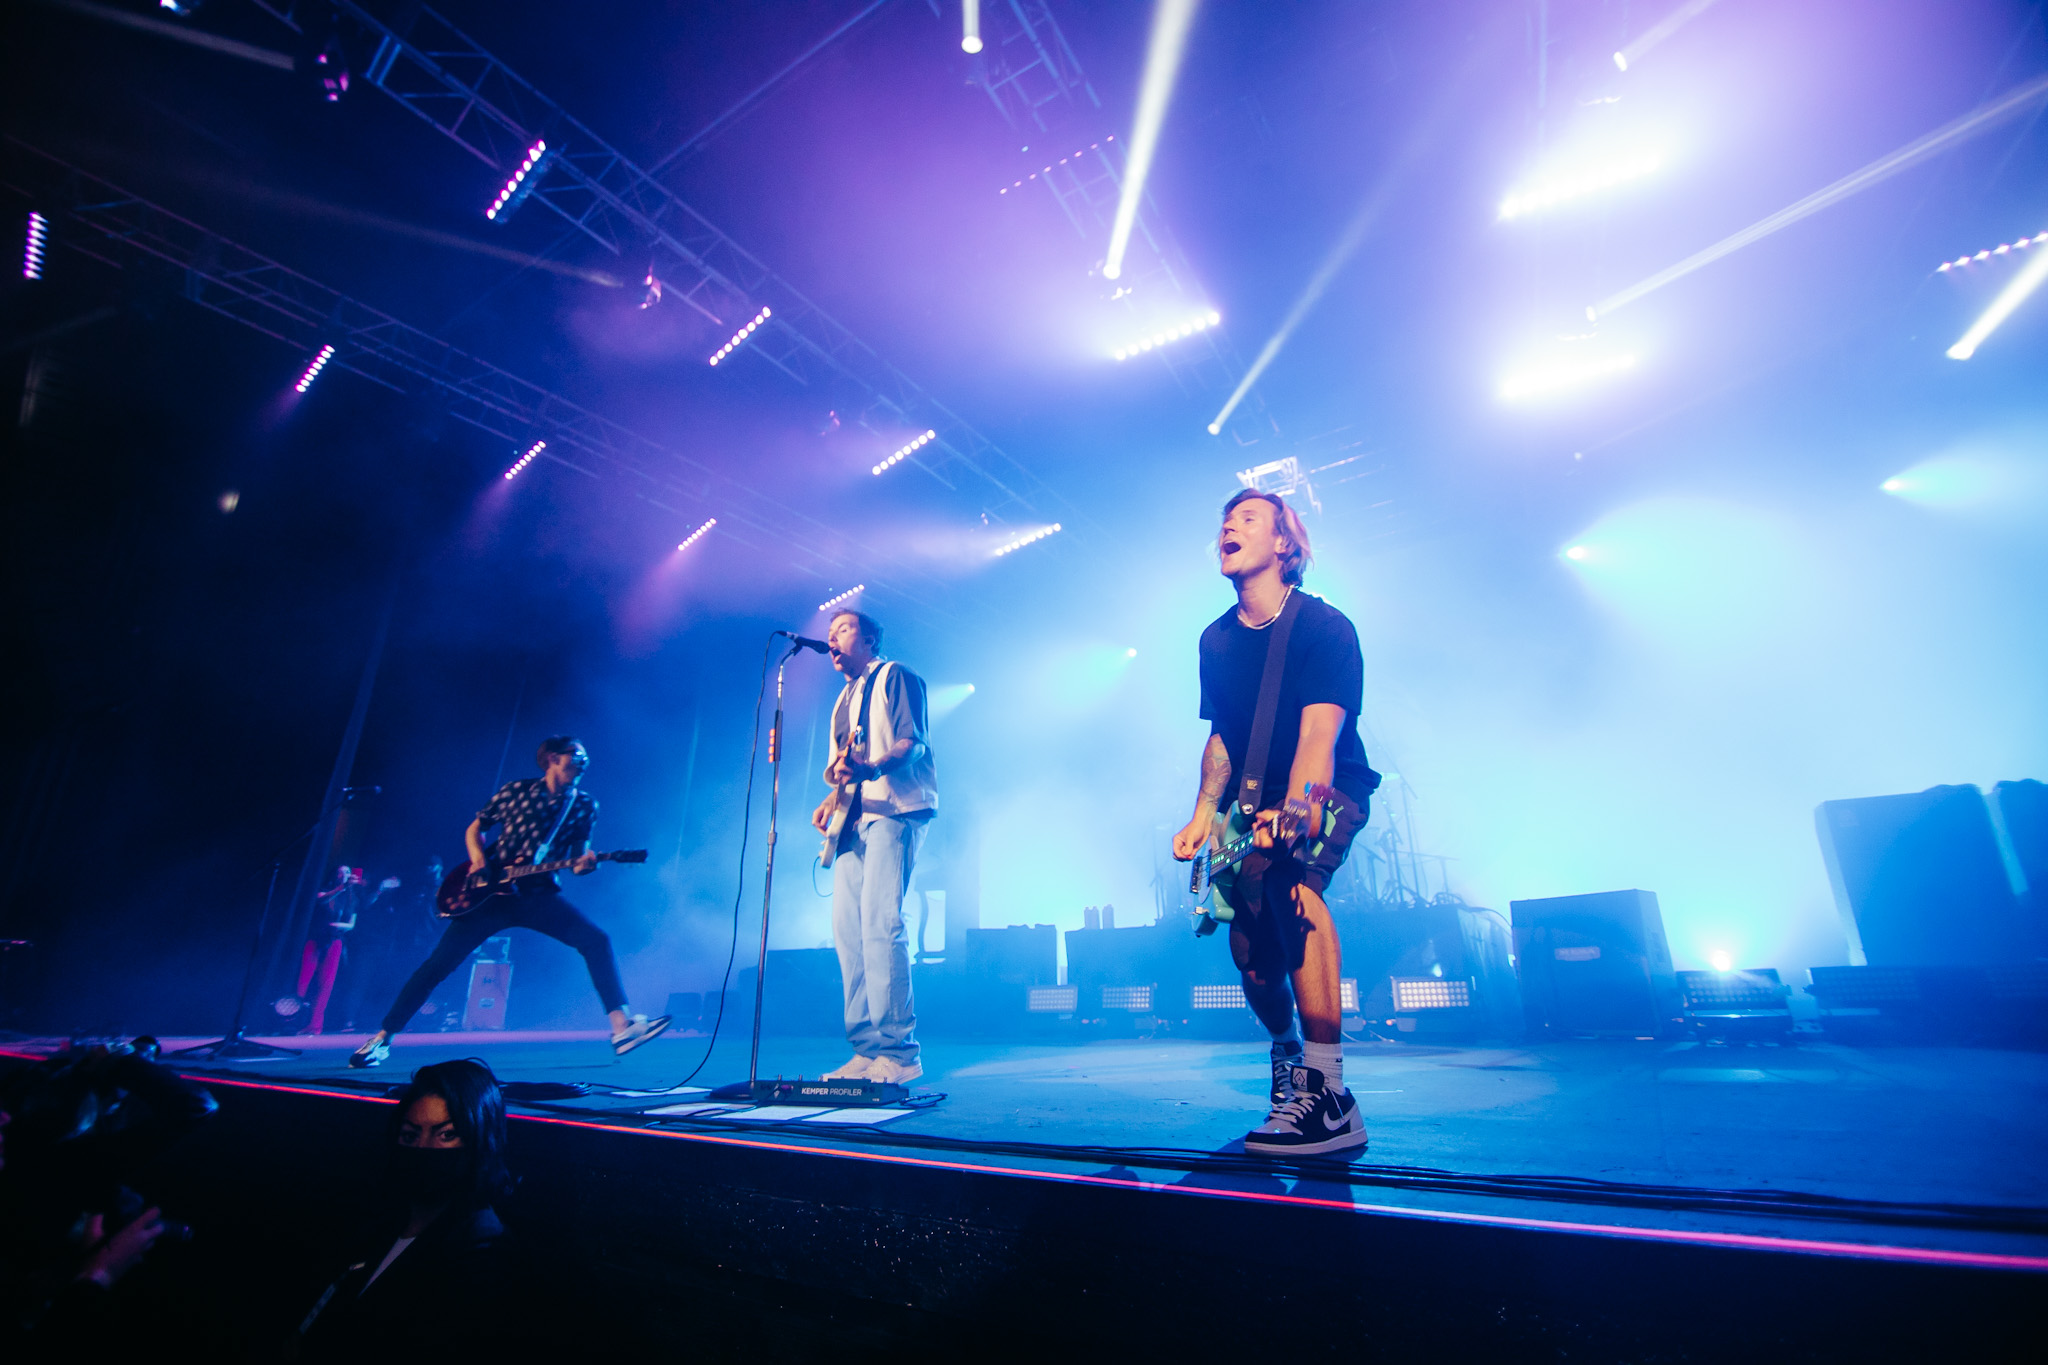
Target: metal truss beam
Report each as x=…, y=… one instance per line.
x=437, y=72
x=124, y=230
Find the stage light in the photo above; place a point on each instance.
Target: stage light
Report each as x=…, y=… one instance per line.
x=1893, y=485
x=1576, y=552
x=1031, y=539
x=697, y=534
x=970, y=26
x=1579, y=183
x=32, y=246
x=1621, y=61
x=1658, y=32
x=904, y=453
x=521, y=184
x=1551, y=378
x=742, y=334
x=2012, y=296
x=1721, y=961
x=1130, y=654
x=532, y=452
x=230, y=500
x=313, y=370
x=1200, y=323
x=2003, y=248
x=851, y=593
x=1079, y=152
x=1170, y=22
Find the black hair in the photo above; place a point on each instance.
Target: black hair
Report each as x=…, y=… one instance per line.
x=552, y=745
x=870, y=628
x=477, y=1108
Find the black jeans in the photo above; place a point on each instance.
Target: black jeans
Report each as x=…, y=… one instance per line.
x=541, y=909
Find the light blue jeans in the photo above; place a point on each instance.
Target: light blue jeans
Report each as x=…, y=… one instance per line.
x=868, y=881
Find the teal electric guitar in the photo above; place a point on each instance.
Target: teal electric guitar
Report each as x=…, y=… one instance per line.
x=1230, y=872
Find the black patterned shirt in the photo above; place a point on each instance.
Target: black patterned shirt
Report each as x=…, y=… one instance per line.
x=525, y=810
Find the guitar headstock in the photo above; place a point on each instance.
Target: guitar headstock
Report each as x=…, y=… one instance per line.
x=630, y=855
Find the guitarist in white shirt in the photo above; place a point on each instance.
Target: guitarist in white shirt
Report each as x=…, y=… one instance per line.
x=534, y=816
x=884, y=793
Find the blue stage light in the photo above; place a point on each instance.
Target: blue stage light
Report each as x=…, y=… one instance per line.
x=524, y=178
x=905, y=452
x=33, y=246
x=847, y=596
x=1130, y=654
x=1721, y=961
x=970, y=26
x=1029, y=539
x=1576, y=552
x=532, y=452
x=1200, y=323
x=742, y=334
x=697, y=534
x=313, y=370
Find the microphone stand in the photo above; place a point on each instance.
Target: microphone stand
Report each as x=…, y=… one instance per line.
x=747, y=1089
x=236, y=1047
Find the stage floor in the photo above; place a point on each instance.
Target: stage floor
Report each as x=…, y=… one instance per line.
x=1893, y=1126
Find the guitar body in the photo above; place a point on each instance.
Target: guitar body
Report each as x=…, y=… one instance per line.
x=463, y=892
x=842, y=805
x=1230, y=876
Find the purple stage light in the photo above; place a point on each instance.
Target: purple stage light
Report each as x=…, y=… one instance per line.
x=847, y=596
x=904, y=452
x=698, y=534
x=521, y=184
x=532, y=452
x=313, y=370
x=741, y=335
x=32, y=248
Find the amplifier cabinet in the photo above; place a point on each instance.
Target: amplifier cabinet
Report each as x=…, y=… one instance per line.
x=1918, y=880
x=490, y=987
x=1596, y=964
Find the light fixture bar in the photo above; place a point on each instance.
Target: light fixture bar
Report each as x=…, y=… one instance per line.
x=313, y=370
x=905, y=452
x=521, y=184
x=1079, y=152
x=532, y=452
x=1040, y=534
x=851, y=593
x=698, y=534
x=741, y=335
x=2003, y=248
x=1201, y=323
x=33, y=246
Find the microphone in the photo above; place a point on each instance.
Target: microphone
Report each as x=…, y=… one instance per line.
x=805, y=642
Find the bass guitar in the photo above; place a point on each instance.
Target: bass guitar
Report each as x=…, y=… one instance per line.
x=842, y=802
x=1230, y=871
x=462, y=890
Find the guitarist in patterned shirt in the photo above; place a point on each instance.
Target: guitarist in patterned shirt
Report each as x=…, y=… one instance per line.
x=1282, y=938
x=550, y=813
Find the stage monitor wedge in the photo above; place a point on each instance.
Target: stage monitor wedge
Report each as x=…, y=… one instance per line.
x=1596, y=964
x=1918, y=880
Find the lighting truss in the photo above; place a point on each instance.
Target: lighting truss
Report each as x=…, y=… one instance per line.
x=1201, y=323
x=33, y=244
x=899, y=456
x=1031, y=539
x=847, y=596
x=523, y=180
x=698, y=534
x=737, y=337
x=2003, y=248
x=318, y=363
x=1282, y=478
x=123, y=231
x=532, y=453
x=440, y=74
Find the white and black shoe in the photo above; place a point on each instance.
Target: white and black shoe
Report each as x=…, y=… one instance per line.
x=639, y=1029
x=1285, y=1059
x=1312, y=1121
x=375, y=1051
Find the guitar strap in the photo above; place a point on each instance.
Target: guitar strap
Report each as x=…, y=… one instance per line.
x=547, y=845
x=1251, y=782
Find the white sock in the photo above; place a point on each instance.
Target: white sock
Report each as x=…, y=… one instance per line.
x=1327, y=1058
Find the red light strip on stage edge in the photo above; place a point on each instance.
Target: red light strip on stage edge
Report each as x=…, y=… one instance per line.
x=524, y=460
x=697, y=535
x=741, y=335
x=313, y=370
x=904, y=453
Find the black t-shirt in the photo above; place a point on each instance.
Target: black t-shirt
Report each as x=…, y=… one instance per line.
x=1324, y=664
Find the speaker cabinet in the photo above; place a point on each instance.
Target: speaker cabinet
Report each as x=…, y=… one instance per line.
x=1595, y=964
x=1918, y=880
x=490, y=988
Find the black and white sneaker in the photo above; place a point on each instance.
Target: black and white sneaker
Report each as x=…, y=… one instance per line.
x=639, y=1029
x=375, y=1051
x=1285, y=1059
x=1312, y=1121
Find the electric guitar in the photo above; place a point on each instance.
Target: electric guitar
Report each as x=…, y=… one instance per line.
x=1230, y=871
x=842, y=802
x=463, y=891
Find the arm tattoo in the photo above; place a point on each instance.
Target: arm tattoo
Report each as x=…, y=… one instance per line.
x=1215, y=771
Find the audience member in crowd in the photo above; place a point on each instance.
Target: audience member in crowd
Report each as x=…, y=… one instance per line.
x=431, y=1272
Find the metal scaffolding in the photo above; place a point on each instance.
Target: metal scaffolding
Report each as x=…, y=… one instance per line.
x=436, y=71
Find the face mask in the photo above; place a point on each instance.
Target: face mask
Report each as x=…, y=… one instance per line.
x=428, y=1175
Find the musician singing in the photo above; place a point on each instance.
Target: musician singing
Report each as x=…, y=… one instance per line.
x=882, y=765
x=1285, y=938
x=535, y=818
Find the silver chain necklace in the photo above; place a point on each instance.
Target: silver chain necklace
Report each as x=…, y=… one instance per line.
x=1270, y=619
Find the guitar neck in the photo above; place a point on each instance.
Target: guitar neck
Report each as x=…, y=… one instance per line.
x=553, y=865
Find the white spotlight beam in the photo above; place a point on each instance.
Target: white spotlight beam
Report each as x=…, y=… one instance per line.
x=1658, y=32
x=1171, y=20
x=1940, y=140
x=970, y=26
x=2012, y=296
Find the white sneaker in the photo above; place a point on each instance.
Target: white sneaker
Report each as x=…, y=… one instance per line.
x=854, y=1070
x=889, y=1071
x=639, y=1029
